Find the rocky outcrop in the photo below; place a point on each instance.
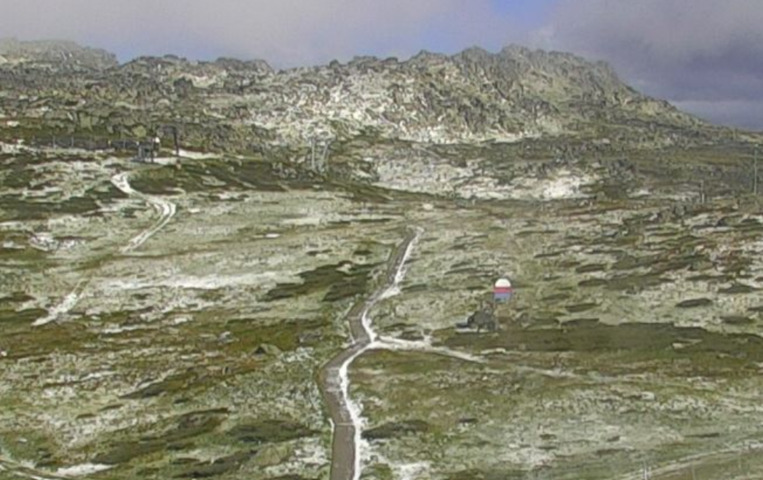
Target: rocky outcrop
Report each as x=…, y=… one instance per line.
x=55, y=53
x=473, y=96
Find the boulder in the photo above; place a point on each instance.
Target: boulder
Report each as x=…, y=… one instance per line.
x=267, y=349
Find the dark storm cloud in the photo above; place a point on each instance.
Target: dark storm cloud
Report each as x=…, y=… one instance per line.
x=704, y=55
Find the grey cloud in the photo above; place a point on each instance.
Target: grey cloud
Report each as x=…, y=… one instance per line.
x=741, y=113
x=704, y=55
x=285, y=32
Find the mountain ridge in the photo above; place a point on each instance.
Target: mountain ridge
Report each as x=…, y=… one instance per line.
x=471, y=96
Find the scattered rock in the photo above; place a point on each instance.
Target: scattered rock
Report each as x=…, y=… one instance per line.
x=267, y=349
x=695, y=302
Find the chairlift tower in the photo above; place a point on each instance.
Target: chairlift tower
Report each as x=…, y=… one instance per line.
x=755, y=171
x=319, y=154
x=173, y=130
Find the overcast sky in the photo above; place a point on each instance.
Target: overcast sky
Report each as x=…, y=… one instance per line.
x=705, y=56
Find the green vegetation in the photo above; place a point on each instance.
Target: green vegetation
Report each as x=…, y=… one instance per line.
x=342, y=281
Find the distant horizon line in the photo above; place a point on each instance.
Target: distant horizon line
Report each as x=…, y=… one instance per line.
x=123, y=59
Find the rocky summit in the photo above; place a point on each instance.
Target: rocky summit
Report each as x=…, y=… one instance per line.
x=474, y=96
x=221, y=270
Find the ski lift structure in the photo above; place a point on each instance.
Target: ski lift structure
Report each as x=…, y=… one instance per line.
x=170, y=129
x=502, y=290
x=149, y=149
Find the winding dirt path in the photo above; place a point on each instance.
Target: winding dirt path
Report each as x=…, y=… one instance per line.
x=164, y=208
x=334, y=382
x=17, y=470
x=64, y=306
x=166, y=211
x=333, y=378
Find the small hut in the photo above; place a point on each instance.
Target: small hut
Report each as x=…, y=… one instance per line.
x=502, y=290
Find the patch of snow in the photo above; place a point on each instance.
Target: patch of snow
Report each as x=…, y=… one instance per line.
x=392, y=291
x=81, y=470
x=411, y=471
x=12, y=225
x=564, y=184
x=562, y=187
x=126, y=328
x=435, y=176
x=388, y=343
x=120, y=181
x=45, y=242
x=313, y=220
x=11, y=245
x=165, y=208
x=165, y=160
x=642, y=192
x=312, y=452
x=197, y=155
x=205, y=81
x=68, y=302
x=10, y=148
x=355, y=411
x=208, y=282
x=181, y=320
x=228, y=195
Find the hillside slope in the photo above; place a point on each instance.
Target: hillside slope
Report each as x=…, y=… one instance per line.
x=472, y=96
